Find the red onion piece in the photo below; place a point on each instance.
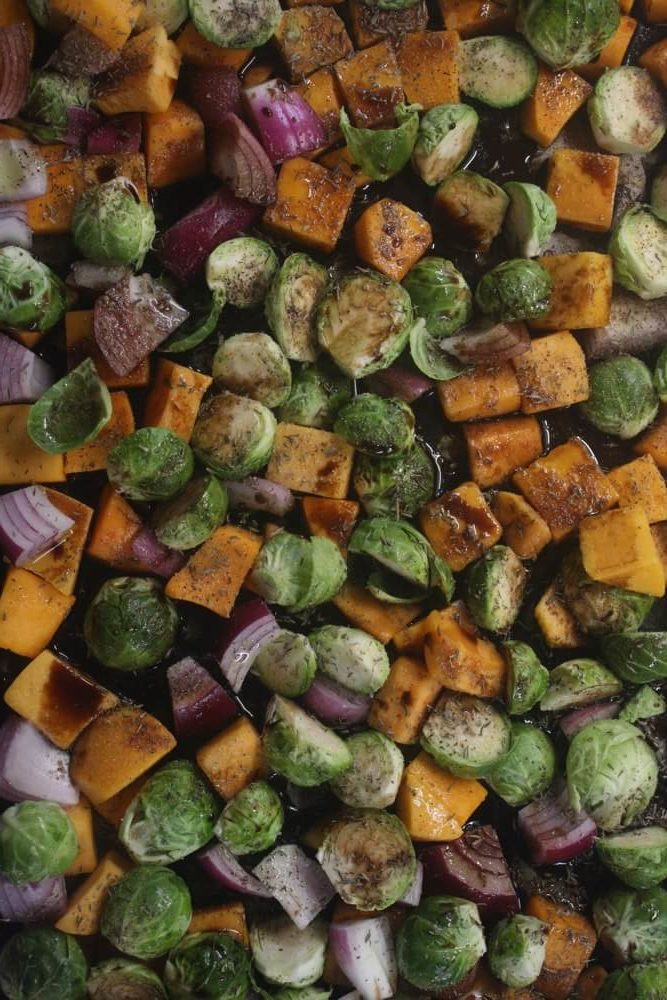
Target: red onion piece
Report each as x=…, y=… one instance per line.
x=335, y=704
x=473, y=867
x=553, y=831
x=80, y=53
x=23, y=376
x=413, y=894
x=213, y=92
x=91, y=277
x=31, y=767
x=580, y=717
x=162, y=560
x=246, y=633
x=240, y=161
x=260, y=494
x=184, y=247
x=15, y=59
x=364, y=951
x=286, y=124
x=488, y=343
x=30, y=524
x=226, y=869
x=27, y=176
x=199, y=704
x=33, y=901
x=297, y=882
x=116, y=135
x=399, y=383
x=14, y=228
x=80, y=123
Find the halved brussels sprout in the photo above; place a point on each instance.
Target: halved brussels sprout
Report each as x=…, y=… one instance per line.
x=318, y=392
x=291, y=303
x=169, y=13
x=471, y=209
x=300, y=747
x=644, y=704
x=637, y=857
x=515, y=290
x=636, y=657
x=627, y=112
x=72, y=412
x=660, y=375
x=286, y=955
x=530, y=220
x=382, y=152
x=369, y=858
x=495, y=589
x=394, y=487
x=375, y=775
x=32, y=296
x=375, y=425
x=152, y=463
x=497, y=70
x=517, y=947
x=307, y=993
x=396, y=546
x=192, y=516
x=633, y=925
x=466, y=735
x=286, y=664
x=50, y=96
x=130, y=624
x=233, y=436
x=350, y=657
x=147, y=911
x=659, y=193
x=112, y=225
x=252, y=364
x=622, y=400
x=567, y=34
x=37, y=841
x=240, y=271
x=429, y=354
x=639, y=247
x=579, y=682
x=527, y=678
x=298, y=572
x=638, y=982
x=40, y=963
x=440, y=296
x=439, y=944
x=598, y=608
x=121, y=979
x=445, y=137
x=208, y=965
x=252, y=820
x=236, y=24
x=527, y=769
x=198, y=327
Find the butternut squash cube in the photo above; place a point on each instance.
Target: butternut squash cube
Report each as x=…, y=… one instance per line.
x=100, y=168
x=332, y=519
x=655, y=11
x=566, y=486
x=613, y=54
x=459, y=658
x=114, y=529
x=305, y=3
x=556, y=622
x=429, y=69
x=109, y=20
x=10, y=131
x=175, y=398
x=400, y=707
x=259, y=72
x=144, y=79
x=460, y=526
x=86, y=860
x=641, y=484
x=583, y=187
x=481, y=392
x=496, y=448
x=371, y=84
x=617, y=548
x=232, y=759
x=581, y=291
x=321, y=92
x=369, y=25
x=224, y=918
x=557, y=97
x=174, y=145
x=391, y=237
x=379, y=618
x=21, y=461
x=81, y=344
x=653, y=442
x=311, y=204
x=569, y=946
x=626, y=5
x=434, y=804
x=116, y=749
x=552, y=373
x=476, y=17
x=29, y=338
x=309, y=460
x=412, y=638
x=339, y=162
x=590, y=982
x=198, y=51
x=659, y=532
x=57, y=698
x=31, y=612
x=214, y=574
x=523, y=528
x=113, y=809
x=654, y=59
x=51, y=213
x=310, y=37
x=84, y=910
x=60, y=566
x=93, y=456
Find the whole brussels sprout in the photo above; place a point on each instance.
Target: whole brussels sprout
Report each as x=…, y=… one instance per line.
x=633, y=925
x=153, y=463
x=112, y=225
x=301, y=748
x=639, y=249
x=397, y=486
x=297, y=572
x=318, y=392
x=71, y=412
x=527, y=769
x=240, y=271
x=37, y=841
x=130, y=624
x=375, y=775
x=208, y=965
x=252, y=820
x=530, y=219
x=638, y=982
x=567, y=33
x=527, y=679
x=440, y=943
x=351, y=657
x=253, y=365
x=286, y=664
x=516, y=950
x=599, y=608
x=120, y=979
x=515, y=290
x=291, y=303
x=611, y=772
x=382, y=152
x=50, y=96
x=440, y=295
x=636, y=857
x=32, y=297
x=192, y=516
x=233, y=436
x=445, y=137
x=42, y=963
x=375, y=425
x=622, y=399
x=146, y=912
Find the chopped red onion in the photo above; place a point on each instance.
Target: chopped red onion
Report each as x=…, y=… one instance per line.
x=30, y=524
x=399, y=383
x=15, y=59
x=22, y=171
x=199, y=704
x=91, y=277
x=23, y=376
x=14, y=228
x=286, y=124
x=160, y=559
x=260, y=494
x=335, y=704
x=553, y=831
x=80, y=53
x=413, y=894
x=246, y=633
x=580, y=717
x=116, y=135
x=225, y=868
x=473, y=867
x=33, y=901
x=214, y=92
x=297, y=882
x=31, y=767
x=80, y=123
x=240, y=161
x=488, y=343
x=364, y=951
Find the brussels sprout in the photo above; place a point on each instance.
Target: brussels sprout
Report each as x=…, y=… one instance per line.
x=291, y=303
x=637, y=857
x=471, y=209
x=50, y=96
x=252, y=820
x=382, y=152
x=31, y=295
x=579, y=682
x=351, y=657
x=390, y=4
x=639, y=982
x=304, y=994
x=641, y=125
x=659, y=193
x=516, y=950
x=364, y=322
x=233, y=436
x=530, y=220
x=611, y=773
x=252, y=364
x=660, y=375
x=495, y=589
x=318, y=392
x=429, y=354
x=527, y=678
x=644, y=704
x=208, y=965
x=42, y=963
x=637, y=657
x=152, y=463
x=37, y=841
x=394, y=487
x=147, y=911
x=622, y=400
x=236, y=24
x=375, y=425
x=496, y=70
x=120, y=979
x=440, y=296
x=396, y=546
x=171, y=14
x=567, y=34
x=439, y=944
x=112, y=225
x=286, y=955
x=633, y=925
x=286, y=664
x=639, y=248
x=130, y=624
x=300, y=747
x=21, y=168
x=528, y=768
x=240, y=271
x=598, y=608
x=515, y=290
x=192, y=516
x=375, y=775
x=445, y=137
x=466, y=735
x=200, y=324
x=72, y=412
x=369, y=858
x=297, y=572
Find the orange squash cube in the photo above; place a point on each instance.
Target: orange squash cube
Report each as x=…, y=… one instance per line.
x=51, y=213
x=557, y=97
x=233, y=758
x=114, y=808
x=391, y=237
x=434, y=804
x=583, y=187
x=569, y=946
x=332, y=519
x=614, y=51
x=109, y=20
x=481, y=392
x=311, y=37
x=311, y=205
x=174, y=145
x=198, y=51
x=84, y=909
x=93, y=456
x=225, y=918
x=31, y=612
x=497, y=447
x=476, y=17
x=641, y=484
x=460, y=526
x=369, y=25
x=580, y=293
x=379, y=618
x=459, y=658
x=86, y=861
x=100, y=168
x=371, y=84
x=340, y=162
x=429, y=69
x=523, y=528
x=145, y=77
x=116, y=524
x=655, y=11
x=653, y=442
x=654, y=59
x=81, y=344
x=175, y=398
x=552, y=373
x=321, y=92
x=617, y=548
x=400, y=707
x=214, y=575
x=60, y=566
x=309, y=460
x=555, y=620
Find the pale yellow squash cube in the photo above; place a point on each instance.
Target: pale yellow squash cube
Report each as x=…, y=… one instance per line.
x=84, y=910
x=21, y=461
x=111, y=21
x=81, y=816
x=434, y=804
x=641, y=484
x=145, y=77
x=233, y=758
x=309, y=460
x=581, y=291
x=31, y=612
x=617, y=548
x=552, y=373
x=556, y=622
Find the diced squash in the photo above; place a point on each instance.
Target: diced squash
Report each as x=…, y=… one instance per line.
x=311, y=461
x=641, y=484
x=332, y=519
x=198, y=51
x=497, y=447
x=626, y=6
x=224, y=918
x=555, y=620
x=174, y=145
x=460, y=526
x=617, y=548
x=429, y=69
x=459, y=658
x=233, y=758
x=476, y=17
x=84, y=910
x=369, y=25
x=16, y=12
x=613, y=53
x=109, y=20
x=655, y=11
x=583, y=187
x=51, y=214
x=31, y=612
x=653, y=442
x=569, y=945
x=10, y=131
x=214, y=575
x=557, y=97
x=400, y=707
x=412, y=638
x=311, y=204
x=379, y=618
x=340, y=162
x=100, y=168
x=581, y=291
x=29, y=338
x=321, y=92
x=590, y=982
x=116, y=524
x=113, y=809
x=481, y=392
x=654, y=59
x=144, y=79
x=93, y=456
x=523, y=528
x=305, y=3
x=57, y=698
x=259, y=72
x=116, y=749
x=175, y=398
x=60, y=566
x=371, y=84
x=81, y=816
x=311, y=37
x=21, y=461
x=391, y=237
x=566, y=486
x=659, y=532
x=81, y=344
x=434, y=804
x=552, y=373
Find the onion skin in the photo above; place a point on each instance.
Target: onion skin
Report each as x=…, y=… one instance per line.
x=553, y=831
x=226, y=869
x=247, y=631
x=33, y=901
x=334, y=704
x=15, y=59
x=199, y=704
x=116, y=135
x=14, y=228
x=399, y=383
x=489, y=344
x=286, y=124
x=30, y=524
x=23, y=376
x=160, y=559
x=213, y=92
x=240, y=161
x=260, y=494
